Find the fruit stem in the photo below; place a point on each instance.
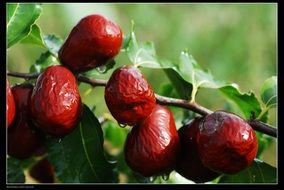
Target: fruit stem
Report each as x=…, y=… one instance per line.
x=254, y=123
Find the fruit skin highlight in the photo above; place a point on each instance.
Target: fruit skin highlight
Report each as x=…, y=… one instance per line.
x=128, y=96
x=10, y=105
x=24, y=139
x=227, y=143
x=189, y=164
x=92, y=42
x=55, y=103
x=152, y=147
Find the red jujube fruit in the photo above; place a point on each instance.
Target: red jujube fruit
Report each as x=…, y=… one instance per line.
x=55, y=103
x=128, y=96
x=24, y=139
x=189, y=164
x=43, y=171
x=10, y=105
x=92, y=42
x=227, y=143
x=152, y=147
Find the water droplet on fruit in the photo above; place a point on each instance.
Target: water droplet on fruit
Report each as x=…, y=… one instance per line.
x=165, y=177
x=152, y=179
x=101, y=69
x=122, y=125
x=59, y=140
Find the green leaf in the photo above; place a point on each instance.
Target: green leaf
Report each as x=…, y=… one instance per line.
x=45, y=60
x=166, y=89
x=193, y=73
x=144, y=55
x=259, y=172
x=188, y=76
x=34, y=37
x=247, y=102
x=21, y=17
x=15, y=171
x=268, y=92
x=125, y=42
x=11, y=7
x=132, y=47
x=263, y=141
x=79, y=157
x=115, y=134
x=53, y=43
x=182, y=87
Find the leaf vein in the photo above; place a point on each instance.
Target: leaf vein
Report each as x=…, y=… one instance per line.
x=13, y=16
x=270, y=99
x=261, y=174
x=86, y=153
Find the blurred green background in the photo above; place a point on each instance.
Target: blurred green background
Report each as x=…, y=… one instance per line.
x=236, y=42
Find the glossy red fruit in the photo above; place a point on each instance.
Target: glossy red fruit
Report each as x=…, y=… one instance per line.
x=55, y=103
x=189, y=164
x=43, y=171
x=152, y=147
x=128, y=96
x=24, y=139
x=10, y=106
x=91, y=43
x=227, y=143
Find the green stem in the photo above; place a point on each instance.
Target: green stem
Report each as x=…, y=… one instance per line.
x=193, y=94
x=262, y=113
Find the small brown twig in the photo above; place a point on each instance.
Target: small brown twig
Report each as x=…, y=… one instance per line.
x=255, y=124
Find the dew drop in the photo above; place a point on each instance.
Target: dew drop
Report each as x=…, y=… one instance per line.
x=101, y=69
x=152, y=179
x=165, y=177
x=122, y=125
x=59, y=140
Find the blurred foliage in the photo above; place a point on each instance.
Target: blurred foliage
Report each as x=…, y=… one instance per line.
x=236, y=42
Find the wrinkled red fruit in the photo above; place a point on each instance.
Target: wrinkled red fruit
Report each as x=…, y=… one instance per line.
x=10, y=106
x=152, y=147
x=91, y=43
x=43, y=171
x=128, y=96
x=55, y=103
x=23, y=137
x=189, y=164
x=227, y=143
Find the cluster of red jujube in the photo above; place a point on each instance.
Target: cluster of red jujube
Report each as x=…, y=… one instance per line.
x=219, y=143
